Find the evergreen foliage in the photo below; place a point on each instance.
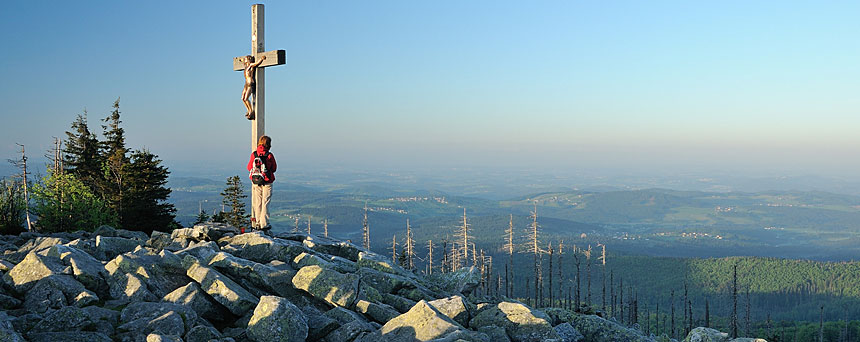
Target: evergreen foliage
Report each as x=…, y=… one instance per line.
x=202, y=217
x=81, y=155
x=145, y=206
x=11, y=207
x=64, y=203
x=234, y=197
x=115, y=160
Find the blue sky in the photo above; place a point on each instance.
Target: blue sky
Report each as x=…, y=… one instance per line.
x=764, y=86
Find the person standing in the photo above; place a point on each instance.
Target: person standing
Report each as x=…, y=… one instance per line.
x=261, y=168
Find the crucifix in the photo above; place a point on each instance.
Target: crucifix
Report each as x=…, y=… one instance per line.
x=255, y=75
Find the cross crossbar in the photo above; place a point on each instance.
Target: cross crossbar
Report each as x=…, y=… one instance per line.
x=274, y=57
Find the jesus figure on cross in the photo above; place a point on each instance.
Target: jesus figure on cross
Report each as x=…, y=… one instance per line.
x=250, y=83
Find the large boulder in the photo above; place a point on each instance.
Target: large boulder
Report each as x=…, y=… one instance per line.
x=261, y=248
x=68, y=318
x=86, y=269
x=69, y=336
x=57, y=291
x=224, y=290
x=464, y=280
x=328, y=285
x=7, y=331
x=333, y=247
x=33, y=268
x=36, y=244
x=275, y=319
x=202, y=333
x=520, y=322
x=568, y=333
x=142, y=318
x=109, y=247
x=132, y=275
x=702, y=334
x=271, y=278
x=598, y=329
x=456, y=308
x=192, y=296
x=379, y=313
x=422, y=323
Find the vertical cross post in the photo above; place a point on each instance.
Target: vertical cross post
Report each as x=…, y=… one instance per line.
x=258, y=125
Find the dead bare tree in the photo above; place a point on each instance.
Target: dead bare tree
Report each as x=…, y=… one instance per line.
x=560, y=271
x=309, y=225
x=365, y=230
x=22, y=164
x=410, y=247
x=672, y=335
x=463, y=235
x=394, y=249
x=612, y=293
x=577, y=261
x=325, y=228
x=748, y=329
x=551, y=255
x=429, y=257
x=296, y=227
x=588, y=274
x=603, y=272
x=734, y=319
x=534, y=248
x=509, y=248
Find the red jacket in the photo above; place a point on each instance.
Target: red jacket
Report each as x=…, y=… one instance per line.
x=271, y=165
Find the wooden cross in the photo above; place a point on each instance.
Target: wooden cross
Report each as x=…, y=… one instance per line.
x=274, y=57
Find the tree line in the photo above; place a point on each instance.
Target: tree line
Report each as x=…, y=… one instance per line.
x=91, y=181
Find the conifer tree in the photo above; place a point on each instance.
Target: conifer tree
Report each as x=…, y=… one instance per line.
x=145, y=200
x=707, y=314
x=576, y=261
x=81, y=155
x=115, y=160
x=12, y=207
x=672, y=331
x=734, y=318
x=234, y=198
x=202, y=217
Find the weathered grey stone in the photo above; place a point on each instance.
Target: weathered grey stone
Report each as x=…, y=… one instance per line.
x=109, y=247
x=319, y=326
x=192, y=296
x=333, y=247
x=86, y=269
x=132, y=234
x=33, y=268
x=35, y=245
x=496, y=334
x=258, y=247
x=276, y=319
x=202, y=333
x=598, y=329
x=104, y=320
x=141, y=315
x=57, y=291
x=203, y=251
x=271, y=278
x=163, y=338
x=5, y=266
x=23, y=322
x=456, y=308
x=7, y=302
x=422, y=323
x=521, y=323
x=328, y=285
x=377, y=312
x=567, y=333
x=69, y=336
x=105, y=230
x=349, y=332
x=132, y=275
x=224, y=290
x=343, y=315
x=212, y=231
x=398, y=303
x=7, y=331
x=68, y=318
x=464, y=280
x=702, y=334
x=379, y=263
x=162, y=241
x=748, y=339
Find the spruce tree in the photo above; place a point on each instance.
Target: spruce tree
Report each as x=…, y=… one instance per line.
x=115, y=161
x=12, y=207
x=202, y=217
x=234, y=198
x=145, y=206
x=81, y=155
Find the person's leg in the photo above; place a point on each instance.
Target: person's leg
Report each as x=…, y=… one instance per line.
x=256, y=193
x=265, y=198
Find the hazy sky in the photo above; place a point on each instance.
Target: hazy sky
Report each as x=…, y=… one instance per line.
x=757, y=85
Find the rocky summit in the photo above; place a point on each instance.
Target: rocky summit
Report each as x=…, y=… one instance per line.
x=209, y=283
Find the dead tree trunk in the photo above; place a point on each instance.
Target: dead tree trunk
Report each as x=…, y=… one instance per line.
x=707, y=314
x=734, y=321
x=551, y=255
x=672, y=301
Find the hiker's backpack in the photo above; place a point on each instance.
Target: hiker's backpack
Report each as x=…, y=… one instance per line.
x=259, y=175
